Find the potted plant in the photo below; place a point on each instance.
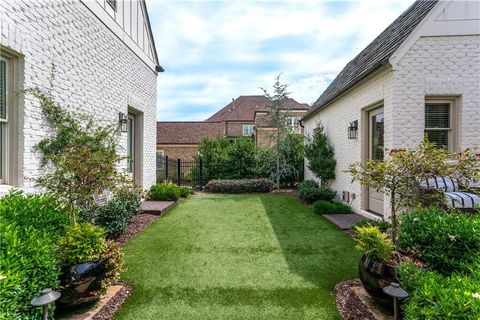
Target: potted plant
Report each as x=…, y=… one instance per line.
x=88, y=264
x=376, y=267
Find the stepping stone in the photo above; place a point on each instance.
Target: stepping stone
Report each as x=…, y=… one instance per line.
x=156, y=207
x=344, y=221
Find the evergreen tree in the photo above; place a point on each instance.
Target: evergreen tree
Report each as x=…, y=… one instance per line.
x=320, y=155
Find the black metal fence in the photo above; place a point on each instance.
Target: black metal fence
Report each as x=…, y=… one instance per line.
x=190, y=173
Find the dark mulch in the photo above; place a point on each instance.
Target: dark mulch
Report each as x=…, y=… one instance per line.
x=349, y=304
x=137, y=224
x=109, y=309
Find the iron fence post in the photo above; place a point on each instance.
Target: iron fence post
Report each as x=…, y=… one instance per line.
x=201, y=172
x=166, y=168
x=178, y=171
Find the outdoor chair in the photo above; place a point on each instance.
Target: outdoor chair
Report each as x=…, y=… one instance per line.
x=453, y=195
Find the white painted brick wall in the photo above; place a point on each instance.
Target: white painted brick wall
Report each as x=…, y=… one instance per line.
x=434, y=66
x=337, y=117
x=96, y=72
x=438, y=66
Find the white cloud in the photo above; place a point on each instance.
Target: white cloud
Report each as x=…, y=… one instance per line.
x=215, y=50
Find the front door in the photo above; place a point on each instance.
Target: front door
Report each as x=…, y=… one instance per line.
x=376, y=152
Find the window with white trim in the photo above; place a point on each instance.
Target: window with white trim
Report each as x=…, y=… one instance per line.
x=292, y=124
x=248, y=129
x=439, y=123
x=5, y=95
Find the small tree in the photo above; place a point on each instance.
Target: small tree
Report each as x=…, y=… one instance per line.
x=400, y=173
x=277, y=114
x=320, y=155
x=79, y=158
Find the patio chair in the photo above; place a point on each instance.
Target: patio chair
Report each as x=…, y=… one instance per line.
x=454, y=196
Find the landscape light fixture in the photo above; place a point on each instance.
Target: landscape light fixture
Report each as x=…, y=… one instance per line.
x=352, y=130
x=46, y=297
x=123, y=121
x=394, y=290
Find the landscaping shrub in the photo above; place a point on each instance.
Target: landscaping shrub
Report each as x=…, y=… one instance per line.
x=374, y=243
x=164, y=192
x=112, y=258
x=239, y=186
x=185, y=192
x=29, y=227
x=83, y=242
x=309, y=191
x=327, y=207
x=433, y=296
x=115, y=215
x=383, y=225
x=449, y=242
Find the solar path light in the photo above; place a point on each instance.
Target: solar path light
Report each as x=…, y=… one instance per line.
x=44, y=299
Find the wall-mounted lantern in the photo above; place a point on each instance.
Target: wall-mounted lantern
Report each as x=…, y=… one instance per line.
x=353, y=129
x=123, y=121
x=44, y=299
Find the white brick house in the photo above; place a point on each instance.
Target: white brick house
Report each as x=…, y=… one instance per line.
x=106, y=66
x=421, y=76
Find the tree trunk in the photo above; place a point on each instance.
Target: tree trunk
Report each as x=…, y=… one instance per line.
x=393, y=217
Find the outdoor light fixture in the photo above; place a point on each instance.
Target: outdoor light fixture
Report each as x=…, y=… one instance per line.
x=44, y=299
x=352, y=130
x=123, y=121
x=394, y=290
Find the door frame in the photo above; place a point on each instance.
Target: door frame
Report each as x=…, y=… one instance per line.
x=365, y=150
x=137, y=170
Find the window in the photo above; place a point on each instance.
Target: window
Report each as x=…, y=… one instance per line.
x=248, y=129
x=130, y=143
x=5, y=125
x=113, y=4
x=438, y=123
x=292, y=124
x=160, y=159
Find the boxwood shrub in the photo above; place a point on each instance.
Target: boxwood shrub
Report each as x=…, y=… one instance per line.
x=309, y=191
x=449, y=242
x=115, y=215
x=29, y=227
x=327, y=207
x=164, y=192
x=239, y=186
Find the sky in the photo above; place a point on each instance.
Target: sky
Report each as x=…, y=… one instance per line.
x=213, y=51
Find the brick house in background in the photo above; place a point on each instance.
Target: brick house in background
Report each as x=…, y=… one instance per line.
x=245, y=116
x=421, y=76
x=106, y=66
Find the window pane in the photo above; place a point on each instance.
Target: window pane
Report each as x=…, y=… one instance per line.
x=3, y=90
x=438, y=137
x=437, y=116
x=130, y=140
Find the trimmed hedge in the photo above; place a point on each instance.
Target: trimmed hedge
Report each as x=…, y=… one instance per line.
x=29, y=227
x=309, y=191
x=167, y=192
x=327, y=207
x=239, y=186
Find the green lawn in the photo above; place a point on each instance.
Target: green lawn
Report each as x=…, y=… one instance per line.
x=237, y=257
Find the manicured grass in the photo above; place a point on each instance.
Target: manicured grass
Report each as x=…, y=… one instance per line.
x=237, y=257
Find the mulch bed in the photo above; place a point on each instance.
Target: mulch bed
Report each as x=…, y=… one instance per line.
x=349, y=304
x=137, y=224
x=109, y=309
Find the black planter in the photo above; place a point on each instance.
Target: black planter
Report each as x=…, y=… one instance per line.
x=375, y=275
x=81, y=284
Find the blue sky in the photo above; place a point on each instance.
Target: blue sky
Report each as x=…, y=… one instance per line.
x=214, y=51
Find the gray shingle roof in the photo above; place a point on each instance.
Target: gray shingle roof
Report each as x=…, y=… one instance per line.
x=375, y=54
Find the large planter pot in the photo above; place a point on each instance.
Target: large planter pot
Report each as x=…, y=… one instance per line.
x=375, y=275
x=81, y=284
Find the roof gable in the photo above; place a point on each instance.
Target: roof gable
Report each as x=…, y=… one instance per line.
x=244, y=107
x=376, y=54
